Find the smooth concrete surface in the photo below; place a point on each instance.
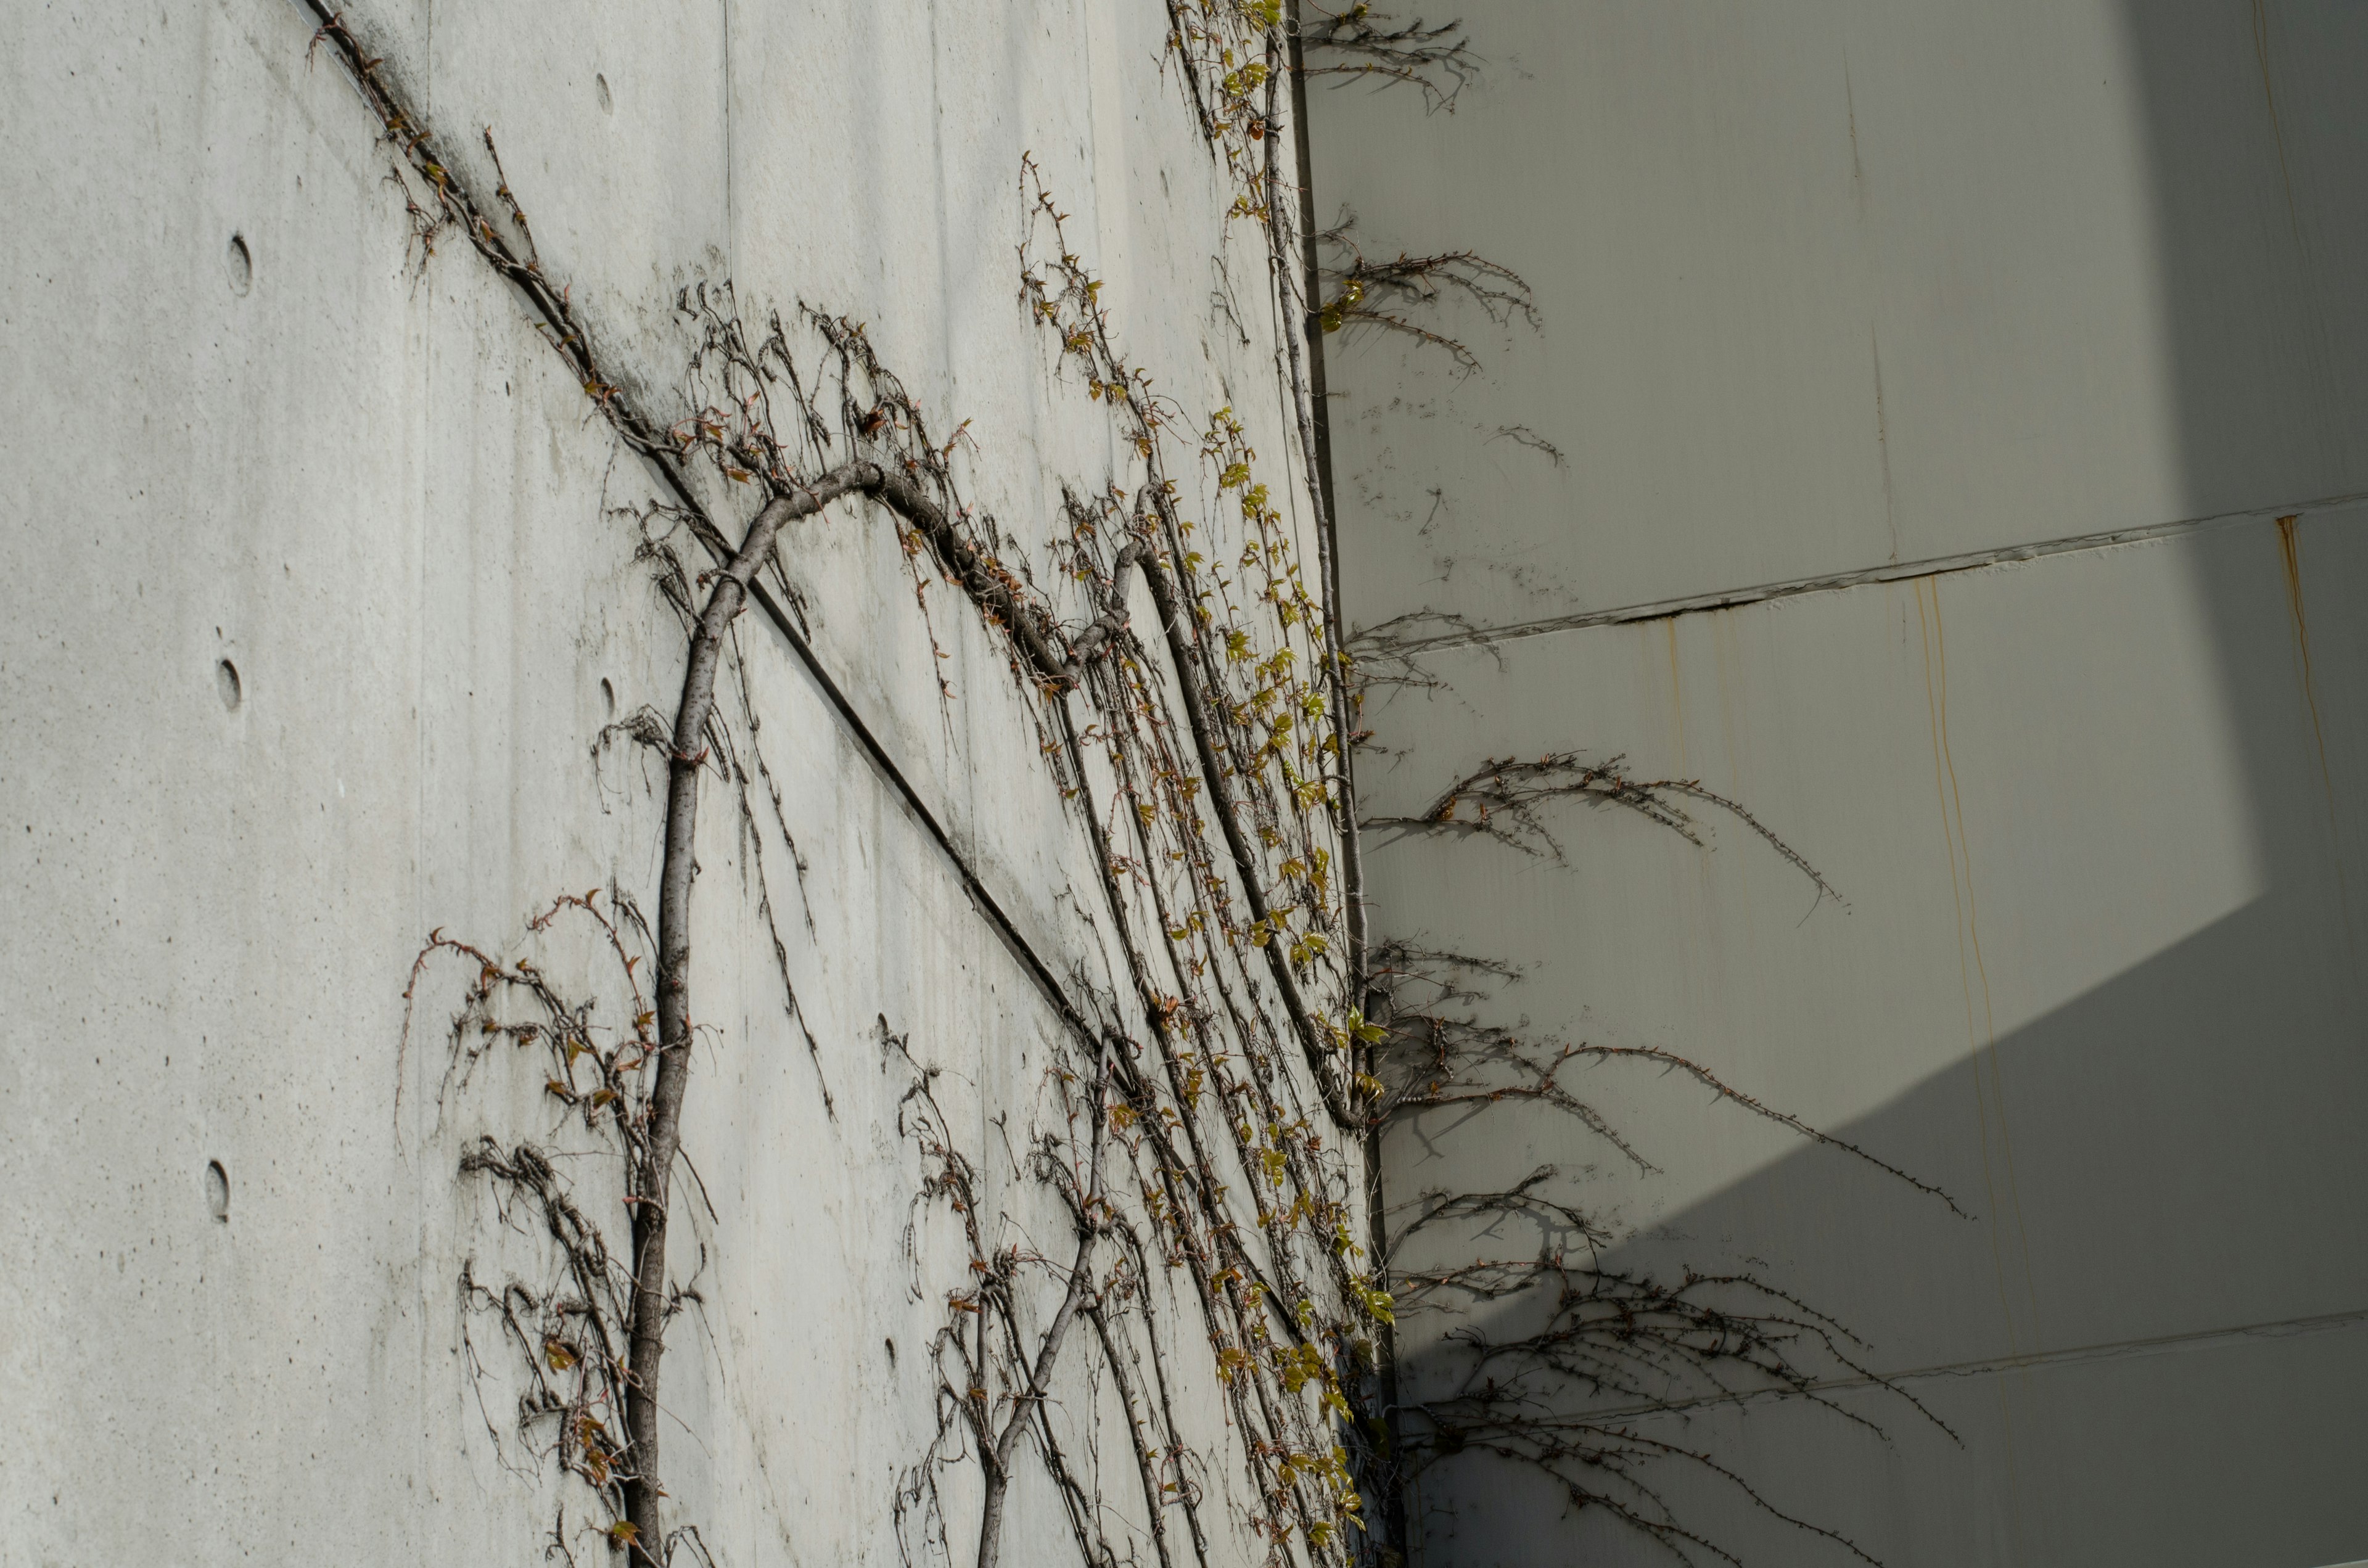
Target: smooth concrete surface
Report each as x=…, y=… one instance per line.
x=1848, y=293
x=1827, y=285
x=354, y=475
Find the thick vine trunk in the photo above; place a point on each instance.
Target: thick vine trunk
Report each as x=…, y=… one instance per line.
x=1040, y=1378
x=646, y=1341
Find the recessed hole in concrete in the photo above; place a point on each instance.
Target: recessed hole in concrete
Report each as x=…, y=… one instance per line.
x=218, y=1191
x=226, y=680
x=601, y=87
x=609, y=698
x=241, y=264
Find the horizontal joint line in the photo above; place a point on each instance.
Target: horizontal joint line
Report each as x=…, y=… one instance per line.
x=1892, y=571
x=2200, y=1339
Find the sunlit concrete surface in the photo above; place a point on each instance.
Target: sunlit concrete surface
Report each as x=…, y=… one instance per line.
x=1962, y=423
x=321, y=579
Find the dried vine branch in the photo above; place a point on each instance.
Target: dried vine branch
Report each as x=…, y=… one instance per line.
x=1191, y=1107
x=570, y=1335
x=1361, y=42
x=737, y=435
x=1381, y=293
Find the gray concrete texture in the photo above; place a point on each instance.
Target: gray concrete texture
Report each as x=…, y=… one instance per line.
x=322, y=584
x=1984, y=383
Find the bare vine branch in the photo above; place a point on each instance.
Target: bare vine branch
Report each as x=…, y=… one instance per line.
x=1381, y=293
x=1233, y=1188
x=1364, y=43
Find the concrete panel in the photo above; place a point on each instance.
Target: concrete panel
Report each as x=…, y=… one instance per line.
x=611, y=119
x=1829, y=286
x=324, y=580
x=2097, y=825
x=1961, y=411
x=2179, y=1453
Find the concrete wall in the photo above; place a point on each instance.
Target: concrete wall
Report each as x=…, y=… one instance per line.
x=1965, y=428
x=357, y=476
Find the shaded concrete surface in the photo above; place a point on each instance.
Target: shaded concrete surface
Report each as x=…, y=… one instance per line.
x=1849, y=291
x=2165, y=1154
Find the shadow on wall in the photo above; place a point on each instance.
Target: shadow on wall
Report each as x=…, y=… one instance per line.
x=2170, y=1165
x=2230, y=1067
x=2167, y=1275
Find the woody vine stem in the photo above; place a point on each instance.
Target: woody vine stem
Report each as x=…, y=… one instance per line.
x=1175, y=1098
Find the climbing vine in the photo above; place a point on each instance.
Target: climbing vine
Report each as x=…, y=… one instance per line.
x=1208, y=1129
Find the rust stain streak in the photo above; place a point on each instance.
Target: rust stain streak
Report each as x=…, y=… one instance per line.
x=2290, y=554
x=2277, y=130
x=1952, y=830
x=1727, y=664
x=1957, y=904
x=1883, y=442
x=1973, y=970
x=2290, y=549
x=1981, y=968
x=1850, y=107
x=1676, y=697
x=1721, y=629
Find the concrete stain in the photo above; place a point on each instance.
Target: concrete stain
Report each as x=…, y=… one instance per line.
x=1726, y=662
x=1990, y=1099
x=1677, y=691
x=1726, y=676
x=1981, y=1032
x=1849, y=108
x=1883, y=443
x=2290, y=557
x=2290, y=554
x=2277, y=130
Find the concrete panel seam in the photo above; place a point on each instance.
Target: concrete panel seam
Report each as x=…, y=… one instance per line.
x=2118, y=1351
x=1890, y=572
x=552, y=312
